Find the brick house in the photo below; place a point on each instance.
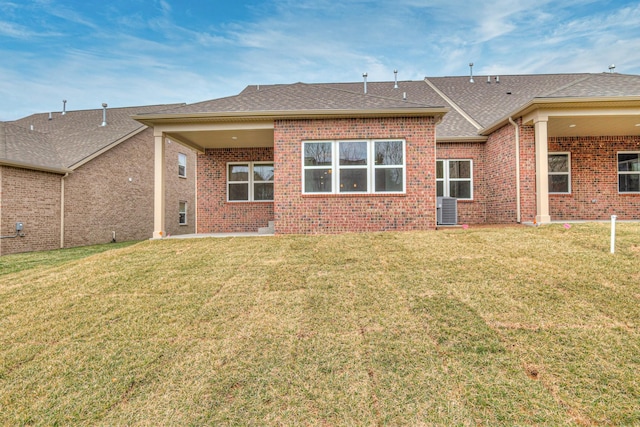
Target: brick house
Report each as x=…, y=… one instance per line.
x=338, y=157
x=71, y=181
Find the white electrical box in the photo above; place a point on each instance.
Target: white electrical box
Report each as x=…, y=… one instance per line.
x=19, y=226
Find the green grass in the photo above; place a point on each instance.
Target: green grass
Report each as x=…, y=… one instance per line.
x=19, y=262
x=484, y=326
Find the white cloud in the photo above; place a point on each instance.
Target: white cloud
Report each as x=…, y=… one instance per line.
x=162, y=54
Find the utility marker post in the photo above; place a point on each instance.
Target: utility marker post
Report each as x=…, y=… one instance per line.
x=613, y=233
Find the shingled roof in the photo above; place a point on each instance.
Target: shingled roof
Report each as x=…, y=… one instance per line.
x=301, y=97
x=473, y=106
x=62, y=141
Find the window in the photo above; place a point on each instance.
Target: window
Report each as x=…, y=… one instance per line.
x=559, y=173
x=250, y=181
x=182, y=213
x=182, y=165
x=366, y=166
x=454, y=178
x=629, y=172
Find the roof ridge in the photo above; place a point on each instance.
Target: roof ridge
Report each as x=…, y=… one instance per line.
x=86, y=110
x=322, y=86
x=386, y=98
x=547, y=94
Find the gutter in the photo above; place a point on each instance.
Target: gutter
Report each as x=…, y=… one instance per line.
x=62, y=209
x=518, y=198
x=152, y=119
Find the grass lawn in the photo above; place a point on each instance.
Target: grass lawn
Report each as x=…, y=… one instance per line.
x=484, y=326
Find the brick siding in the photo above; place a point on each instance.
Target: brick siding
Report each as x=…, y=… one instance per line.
x=594, y=180
x=469, y=211
x=178, y=189
x=215, y=213
x=99, y=198
x=297, y=213
x=33, y=198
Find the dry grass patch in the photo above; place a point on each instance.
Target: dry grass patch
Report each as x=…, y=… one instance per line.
x=491, y=326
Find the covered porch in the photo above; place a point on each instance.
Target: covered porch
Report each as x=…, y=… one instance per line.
x=585, y=154
x=208, y=137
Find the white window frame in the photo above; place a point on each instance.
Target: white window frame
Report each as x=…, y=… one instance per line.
x=181, y=213
x=335, y=168
x=625, y=172
x=250, y=181
x=182, y=165
x=446, y=179
x=568, y=173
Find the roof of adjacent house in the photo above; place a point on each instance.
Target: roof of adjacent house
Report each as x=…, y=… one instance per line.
x=57, y=141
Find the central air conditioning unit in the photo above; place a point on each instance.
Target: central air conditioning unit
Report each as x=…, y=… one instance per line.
x=447, y=213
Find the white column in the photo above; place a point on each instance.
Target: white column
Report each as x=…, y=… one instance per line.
x=542, y=171
x=159, y=187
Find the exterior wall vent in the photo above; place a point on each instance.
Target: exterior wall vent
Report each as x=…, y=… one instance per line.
x=447, y=213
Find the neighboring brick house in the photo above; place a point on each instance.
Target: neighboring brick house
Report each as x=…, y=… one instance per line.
x=71, y=181
x=338, y=157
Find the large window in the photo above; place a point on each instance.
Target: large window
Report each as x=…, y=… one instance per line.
x=559, y=173
x=182, y=213
x=629, y=172
x=250, y=181
x=366, y=166
x=182, y=165
x=454, y=178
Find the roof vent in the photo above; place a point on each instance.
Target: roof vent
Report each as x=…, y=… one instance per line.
x=612, y=67
x=404, y=96
x=488, y=79
x=497, y=79
x=104, y=114
x=31, y=127
x=470, y=72
x=395, y=76
x=364, y=76
x=64, y=107
x=50, y=116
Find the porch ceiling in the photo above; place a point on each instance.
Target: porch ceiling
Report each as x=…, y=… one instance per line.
x=593, y=126
x=229, y=138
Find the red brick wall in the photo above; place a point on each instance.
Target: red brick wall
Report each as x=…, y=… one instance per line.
x=179, y=189
x=469, y=211
x=33, y=198
x=100, y=199
x=594, y=180
x=298, y=213
x=215, y=214
x=500, y=176
x=527, y=173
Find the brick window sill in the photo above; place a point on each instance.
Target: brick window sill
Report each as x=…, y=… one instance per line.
x=350, y=195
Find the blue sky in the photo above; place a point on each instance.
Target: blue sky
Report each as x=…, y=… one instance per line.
x=138, y=52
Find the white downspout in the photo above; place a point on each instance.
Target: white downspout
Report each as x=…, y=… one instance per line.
x=515, y=125
x=62, y=210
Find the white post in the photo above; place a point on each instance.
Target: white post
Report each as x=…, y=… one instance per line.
x=613, y=233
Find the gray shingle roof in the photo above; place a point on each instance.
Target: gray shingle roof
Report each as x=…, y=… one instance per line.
x=20, y=145
x=301, y=97
x=599, y=85
x=67, y=139
x=489, y=102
